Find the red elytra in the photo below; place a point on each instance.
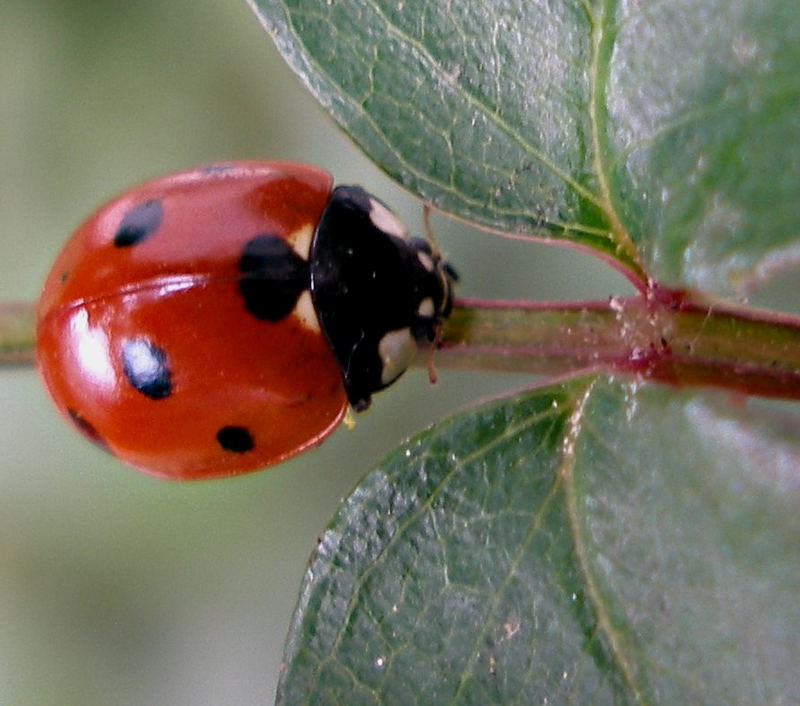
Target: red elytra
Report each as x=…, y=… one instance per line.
x=176, y=289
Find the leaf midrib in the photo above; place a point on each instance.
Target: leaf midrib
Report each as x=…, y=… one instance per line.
x=405, y=522
x=622, y=661
x=603, y=38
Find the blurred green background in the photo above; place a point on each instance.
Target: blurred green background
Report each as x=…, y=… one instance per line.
x=116, y=588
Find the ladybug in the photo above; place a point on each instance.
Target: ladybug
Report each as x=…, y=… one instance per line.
x=220, y=320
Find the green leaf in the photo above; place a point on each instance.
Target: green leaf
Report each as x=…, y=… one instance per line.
x=663, y=135
x=702, y=104
x=591, y=542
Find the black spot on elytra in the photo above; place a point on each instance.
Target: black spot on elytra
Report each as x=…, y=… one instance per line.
x=87, y=429
x=64, y=276
x=138, y=223
x=235, y=439
x=145, y=366
x=273, y=277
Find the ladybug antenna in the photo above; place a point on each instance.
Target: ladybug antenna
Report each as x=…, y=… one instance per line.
x=431, y=240
x=433, y=376
x=426, y=222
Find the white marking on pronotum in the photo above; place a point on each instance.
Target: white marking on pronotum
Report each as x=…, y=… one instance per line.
x=304, y=311
x=425, y=307
x=383, y=219
x=300, y=240
x=396, y=349
x=425, y=260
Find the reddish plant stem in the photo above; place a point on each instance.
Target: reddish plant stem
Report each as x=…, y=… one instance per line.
x=663, y=337
x=16, y=333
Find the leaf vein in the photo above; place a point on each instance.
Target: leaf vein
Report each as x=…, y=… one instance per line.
x=575, y=428
x=508, y=432
x=602, y=42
